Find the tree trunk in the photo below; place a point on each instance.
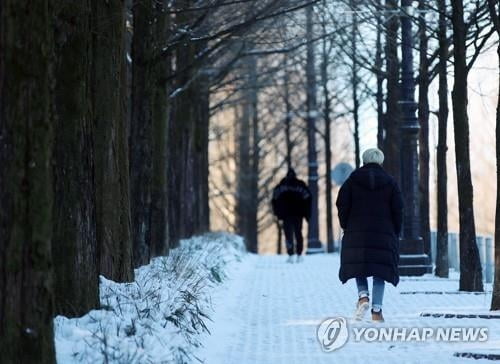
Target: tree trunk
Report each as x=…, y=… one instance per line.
x=423, y=117
x=26, y=196
x=495, y=300
x=442, y=266
x=254, y=182
x=288, y=114
x=393, y=112
x=74, y=244
x=160, y=116
x=141, y=131
x=355, y=82
x=200, y=154
x=249, y=160
x=330, y=244
x=380, y=80
x=111, y=141
x=188, y=141
x=470, y=265
x=312, y=111
x=243, y=173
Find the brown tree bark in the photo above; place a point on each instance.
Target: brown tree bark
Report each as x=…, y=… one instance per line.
x=26, y=196
x=423, y=118
x=188, y=211
x=180, y=164
x=160, y=116
x=74, y=245
x=442, y=266
x=111, y=141
x=470, y=265
x=149, y=131
x=141, y=129
x=201, y=152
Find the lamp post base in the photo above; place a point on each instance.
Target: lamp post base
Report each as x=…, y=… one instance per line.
x=412, y=259
x=315, y=247
x=414, y=265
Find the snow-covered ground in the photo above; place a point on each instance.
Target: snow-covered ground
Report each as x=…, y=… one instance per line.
x=209, y=301
x=269, y=312
x=159, y=318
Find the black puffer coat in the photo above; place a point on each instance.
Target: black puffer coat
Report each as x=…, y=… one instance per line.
x=291, y=198
x=370, y=212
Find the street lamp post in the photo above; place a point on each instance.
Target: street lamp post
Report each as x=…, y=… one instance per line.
x=413, y=261
x=313, y=243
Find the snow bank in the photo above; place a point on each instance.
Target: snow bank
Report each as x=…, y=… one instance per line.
x=158, y=318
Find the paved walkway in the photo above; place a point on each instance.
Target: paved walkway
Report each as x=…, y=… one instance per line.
x=269, y=312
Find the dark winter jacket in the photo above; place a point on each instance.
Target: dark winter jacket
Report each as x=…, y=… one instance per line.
x=291, y=198
x=370, y=212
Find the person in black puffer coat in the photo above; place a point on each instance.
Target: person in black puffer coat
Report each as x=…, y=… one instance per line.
x=370, y=210
x=291, y=203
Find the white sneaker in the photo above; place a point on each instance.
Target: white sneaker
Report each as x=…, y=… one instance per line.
x=290, y=259
x=300, y=258
x=361, y=308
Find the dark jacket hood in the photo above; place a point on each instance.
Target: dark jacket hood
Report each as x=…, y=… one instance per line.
x=291, y=174
x=371, y=176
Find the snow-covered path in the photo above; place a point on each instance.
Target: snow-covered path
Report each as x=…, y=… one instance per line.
x=270, y=310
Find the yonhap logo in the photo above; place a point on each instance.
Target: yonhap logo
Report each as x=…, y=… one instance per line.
x=333, y=333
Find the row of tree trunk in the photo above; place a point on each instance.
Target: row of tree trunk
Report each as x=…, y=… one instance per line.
x=388, y=131
x=88, y=188
x=388, y=136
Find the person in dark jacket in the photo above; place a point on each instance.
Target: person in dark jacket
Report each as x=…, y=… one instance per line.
x=291, y=203
x=370, y=211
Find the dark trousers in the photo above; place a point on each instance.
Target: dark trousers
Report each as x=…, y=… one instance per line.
x=292, y=226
